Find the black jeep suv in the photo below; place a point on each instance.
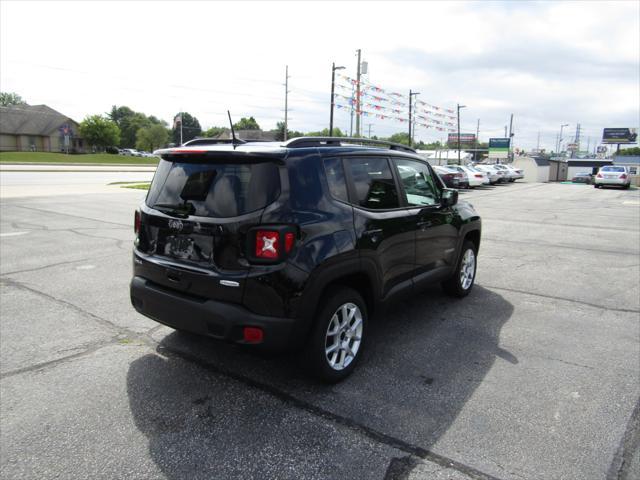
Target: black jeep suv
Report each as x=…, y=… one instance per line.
x=296, y=244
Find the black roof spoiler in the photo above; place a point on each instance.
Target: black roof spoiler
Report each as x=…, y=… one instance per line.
x=301, y=142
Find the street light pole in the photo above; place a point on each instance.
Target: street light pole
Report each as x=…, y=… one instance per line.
x=459, y=107
x=333, y=86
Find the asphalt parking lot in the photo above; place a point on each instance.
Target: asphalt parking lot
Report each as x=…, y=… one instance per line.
x=535, y=375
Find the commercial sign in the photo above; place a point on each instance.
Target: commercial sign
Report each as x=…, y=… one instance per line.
x=499, y=147
x=467, y=140
x=620, y=135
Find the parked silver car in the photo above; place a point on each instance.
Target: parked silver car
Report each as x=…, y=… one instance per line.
x=612, y=175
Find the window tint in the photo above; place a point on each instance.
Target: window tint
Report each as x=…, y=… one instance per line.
x=373, y=183
x=418, y=183
x=335, y=178
x=612, y=169
x=213, y=189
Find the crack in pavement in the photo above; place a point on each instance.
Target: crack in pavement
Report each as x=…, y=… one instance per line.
x=285, y=397
x=555, y=245
x=563, y=299
x=51, y=265
x=70, y=215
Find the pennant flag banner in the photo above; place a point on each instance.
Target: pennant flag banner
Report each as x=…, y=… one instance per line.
x=383, y=116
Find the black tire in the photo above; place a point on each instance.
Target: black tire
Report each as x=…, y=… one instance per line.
x=453, y=286
x=316, y=357
x=595, y=185
x=627, y=187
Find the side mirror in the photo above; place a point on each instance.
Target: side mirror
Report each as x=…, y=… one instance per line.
x=449, y=197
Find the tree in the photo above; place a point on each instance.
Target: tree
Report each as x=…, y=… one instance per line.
x=190, y=128
x=279, y=132
x=246, y=124
x=325, y=133
x=130, y=122
x=401, y=137
x=10, y=98
x=100, y=131
x=630, y=151
x=214, y=132
x=151, y=138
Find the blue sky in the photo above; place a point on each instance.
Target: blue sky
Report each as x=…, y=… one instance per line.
x=548, y=63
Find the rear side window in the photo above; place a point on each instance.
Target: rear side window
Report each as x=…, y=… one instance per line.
x=373, y=183
x=213, y=189
x=418, y=183
x=335, y=178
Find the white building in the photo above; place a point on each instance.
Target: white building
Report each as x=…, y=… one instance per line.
x=536, y=169
x=444, y=157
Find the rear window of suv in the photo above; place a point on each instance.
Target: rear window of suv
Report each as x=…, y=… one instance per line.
x=213, y=189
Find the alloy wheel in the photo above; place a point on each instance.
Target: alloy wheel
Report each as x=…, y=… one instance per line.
x=344, y=336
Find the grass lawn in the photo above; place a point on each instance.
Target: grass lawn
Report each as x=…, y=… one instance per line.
x=90, y=158
x=137, y=186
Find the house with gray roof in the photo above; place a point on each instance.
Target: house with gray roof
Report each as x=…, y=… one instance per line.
x=39, y=128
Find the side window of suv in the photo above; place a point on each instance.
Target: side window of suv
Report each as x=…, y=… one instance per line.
x=335, y=178
x=373, y=183
x=420, y=188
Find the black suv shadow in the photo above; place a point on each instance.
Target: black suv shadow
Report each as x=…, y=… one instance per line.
x=424, y=359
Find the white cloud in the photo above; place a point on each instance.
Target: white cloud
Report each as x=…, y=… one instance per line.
x=546, y=62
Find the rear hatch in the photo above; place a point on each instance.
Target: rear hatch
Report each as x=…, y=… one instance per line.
x=192, y=235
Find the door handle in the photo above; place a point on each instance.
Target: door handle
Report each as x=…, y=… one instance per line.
x=424, y=224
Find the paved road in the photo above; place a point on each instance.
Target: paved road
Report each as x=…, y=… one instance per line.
x=534, y=375
x=24, y=181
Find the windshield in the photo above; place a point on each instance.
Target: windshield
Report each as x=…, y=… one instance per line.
x=213, y=189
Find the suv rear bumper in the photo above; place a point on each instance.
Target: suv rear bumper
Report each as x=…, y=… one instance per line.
x=211, y=318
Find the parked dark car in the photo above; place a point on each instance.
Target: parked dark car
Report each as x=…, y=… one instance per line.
x=451, y=178
x=296, y=244
x=582, y=178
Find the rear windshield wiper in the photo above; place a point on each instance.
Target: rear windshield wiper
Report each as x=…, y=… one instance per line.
x=183, y=209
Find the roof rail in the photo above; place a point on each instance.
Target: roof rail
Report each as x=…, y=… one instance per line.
x=209, y=141
x=337, y=141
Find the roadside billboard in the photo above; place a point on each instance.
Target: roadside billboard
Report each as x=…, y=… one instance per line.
x=499, y=147
x=620, y=135
x=467, y=140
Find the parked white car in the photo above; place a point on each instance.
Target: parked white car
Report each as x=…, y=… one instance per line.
x=510, y=175
x=612, y=175
x=495, y=175
x=472, y=177
x=130, y=152
x=517, y=174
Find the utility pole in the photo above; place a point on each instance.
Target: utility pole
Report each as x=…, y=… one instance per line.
x=475, y=153
x=370, y=129
x=505, y=131
x=286, y=101
x=358, y=96
x=411, y=95
x=353, y=103
x=538, y=144
x=576, y=141
x=333, y=86
x=559, y=145
x=459, y=107
x=510, y=138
